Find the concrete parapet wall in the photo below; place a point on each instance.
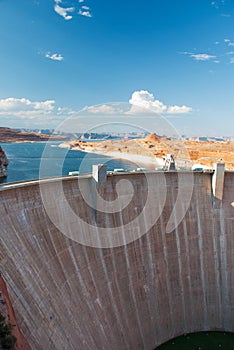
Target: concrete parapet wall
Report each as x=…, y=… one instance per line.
x=68, y=296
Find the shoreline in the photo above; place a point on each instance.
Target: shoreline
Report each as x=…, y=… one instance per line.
x=134, y=158
x=131, y=157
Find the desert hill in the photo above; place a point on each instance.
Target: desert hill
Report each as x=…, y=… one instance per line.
x=12, y=135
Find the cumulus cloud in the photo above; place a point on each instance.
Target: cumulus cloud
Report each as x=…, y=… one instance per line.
x=54, y=56
x=63, y=11
x=23, y=107
x=146, y=100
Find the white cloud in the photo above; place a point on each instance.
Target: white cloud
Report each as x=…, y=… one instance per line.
x=202, y=56
x=231, y=60
x=179, y=110
x=199, y=56
x=103, y=109
x=67, y=12
x=84, y=13
x=25, y=107
x=146, y=100
x=54, y=56
x=62, y=11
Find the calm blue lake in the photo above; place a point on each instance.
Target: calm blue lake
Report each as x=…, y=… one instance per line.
x=25, y=160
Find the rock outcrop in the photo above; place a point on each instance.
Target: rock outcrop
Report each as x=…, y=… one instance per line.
x=12, y=135
x=3, y=163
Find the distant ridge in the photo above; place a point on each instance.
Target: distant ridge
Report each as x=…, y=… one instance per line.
x=12, y=135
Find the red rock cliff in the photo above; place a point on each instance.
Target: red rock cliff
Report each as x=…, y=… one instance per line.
x=7, y=310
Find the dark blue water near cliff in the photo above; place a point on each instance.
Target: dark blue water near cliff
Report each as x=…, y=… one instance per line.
x=25, y=160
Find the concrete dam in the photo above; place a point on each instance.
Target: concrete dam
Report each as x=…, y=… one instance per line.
x=145, y=259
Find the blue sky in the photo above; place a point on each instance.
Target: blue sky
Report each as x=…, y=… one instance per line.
x=175, y=57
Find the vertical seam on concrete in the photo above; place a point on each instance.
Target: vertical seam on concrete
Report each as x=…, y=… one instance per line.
x=217, y=268
x=189, y=272
x=223, y=261
x=165, y=254
x=133, y=294
x=80, y=278
x=202, y=267
x=120, y=298
x=153, y=302
x=100, y=252
x=180, y=271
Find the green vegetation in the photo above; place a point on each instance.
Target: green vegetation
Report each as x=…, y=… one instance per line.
x=7, y=339
x=201, y=341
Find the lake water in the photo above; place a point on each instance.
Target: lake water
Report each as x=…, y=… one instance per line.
x=25, y=160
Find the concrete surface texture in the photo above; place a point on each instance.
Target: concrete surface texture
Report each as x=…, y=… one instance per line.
x=136, y=296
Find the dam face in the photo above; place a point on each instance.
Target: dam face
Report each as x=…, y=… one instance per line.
x=67, y=295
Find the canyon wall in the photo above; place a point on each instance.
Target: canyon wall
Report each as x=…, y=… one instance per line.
x=67, y=295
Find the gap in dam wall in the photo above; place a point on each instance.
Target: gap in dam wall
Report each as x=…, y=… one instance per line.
x=133, y=296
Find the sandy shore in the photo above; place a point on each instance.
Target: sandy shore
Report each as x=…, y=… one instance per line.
x=134, y=158
x=138, y=159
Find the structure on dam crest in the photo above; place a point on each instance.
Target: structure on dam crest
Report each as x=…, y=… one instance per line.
x=133, y=296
